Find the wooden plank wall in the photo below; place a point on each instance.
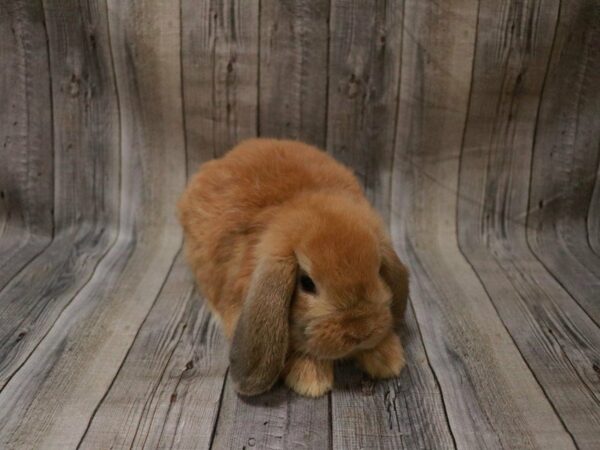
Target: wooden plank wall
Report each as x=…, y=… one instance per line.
x=474, y=127
x=26, y=175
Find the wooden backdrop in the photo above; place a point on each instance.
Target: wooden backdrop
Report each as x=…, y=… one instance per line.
x=474, y=126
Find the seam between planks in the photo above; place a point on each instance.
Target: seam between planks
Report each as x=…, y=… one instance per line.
x=330, y=419
x=213, y=93
x=396, y=117
x=181, y=87
x=213, y=432
x=257, y=70
x=148, y=402
x=327, y=65
x=433, y=372
x=120, y=128
x=51, y=100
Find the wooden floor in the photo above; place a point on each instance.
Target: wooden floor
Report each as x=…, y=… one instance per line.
x=474, y=127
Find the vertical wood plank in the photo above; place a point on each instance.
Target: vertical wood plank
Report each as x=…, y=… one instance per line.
x=364, y=62
x=86, y=161
x=566, y=156
x=293, y=70
x=26, y=172
x=480, y=372
x=556, y=338
x=220, y=75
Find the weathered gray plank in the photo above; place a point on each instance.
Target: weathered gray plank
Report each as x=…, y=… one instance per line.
x=219, y=75
x=26, y=172
x=86, y=149
x=50, y=400
x=566, y=156
x=31, y=303
x=18, y=248
x=363, y=79
x=407, y=412
x=293, y=70
x=557, y=339
x=481, y=374
x=167, y=392
x=86, y=157
x=279, y=419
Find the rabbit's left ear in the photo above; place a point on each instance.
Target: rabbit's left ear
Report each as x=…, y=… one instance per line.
x=395, y=274
x=260, y=341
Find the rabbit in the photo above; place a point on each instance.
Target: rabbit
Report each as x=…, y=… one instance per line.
x=295, y=264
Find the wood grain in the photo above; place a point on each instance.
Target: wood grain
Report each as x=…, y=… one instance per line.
x=167, y=391
x=407, y=412
x=219, y=75
x=26, y=172
x=85, y=148
x=480, y=372
x=566, y=157
x=278, y=419
x=293, y=70
x=364, y=60
x=557, y=339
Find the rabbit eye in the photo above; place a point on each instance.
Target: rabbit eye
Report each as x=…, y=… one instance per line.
x=307, y=284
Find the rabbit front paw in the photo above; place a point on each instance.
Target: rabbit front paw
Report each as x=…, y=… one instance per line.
x=308, y=376
x=386, y=360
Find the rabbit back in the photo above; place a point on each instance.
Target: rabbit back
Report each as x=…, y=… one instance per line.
x=229, y=201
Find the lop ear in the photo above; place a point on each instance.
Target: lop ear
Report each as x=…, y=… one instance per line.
x=260, y=340
x=395, y=274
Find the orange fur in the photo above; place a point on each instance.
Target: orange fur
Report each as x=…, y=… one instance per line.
x=288, y=199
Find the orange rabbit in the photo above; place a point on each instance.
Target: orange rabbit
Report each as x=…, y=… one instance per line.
x=296, y=264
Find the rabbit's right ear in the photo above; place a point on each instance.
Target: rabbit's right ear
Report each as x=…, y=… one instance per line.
x=260, y=340
x=395, y=274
